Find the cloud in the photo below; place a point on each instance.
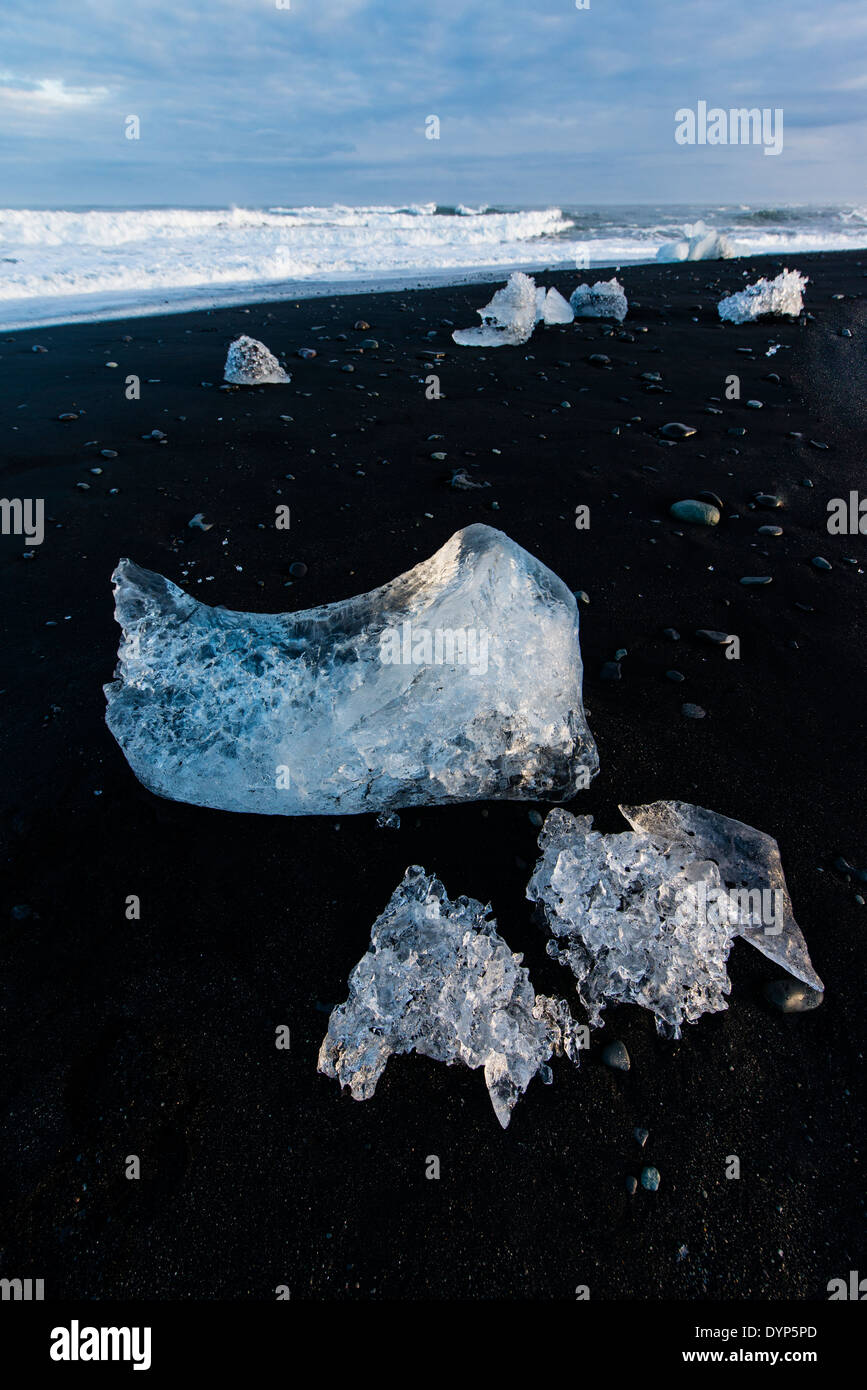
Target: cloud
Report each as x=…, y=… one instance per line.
x=47, y=92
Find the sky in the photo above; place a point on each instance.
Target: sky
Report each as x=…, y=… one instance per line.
x=326, y=101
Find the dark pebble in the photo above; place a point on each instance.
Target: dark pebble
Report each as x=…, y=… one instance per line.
x=298, y=569
x=792, y=997
x=616, y=1057
x=676, y=430
x=693, y=711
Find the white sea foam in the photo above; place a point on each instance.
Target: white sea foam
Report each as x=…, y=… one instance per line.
x=56, y=266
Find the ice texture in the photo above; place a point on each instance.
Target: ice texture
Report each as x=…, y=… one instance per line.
x=700, y=243
x=437, y=979
x=782, y=296
x=604, y=300
x=249, y=363
x=618, y=910
x=460, y=680
x=552, y=308
x=747, y=859
x=508, y=320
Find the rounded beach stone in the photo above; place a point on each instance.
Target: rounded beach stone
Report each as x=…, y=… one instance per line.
x=698, y=513
x=675, y=429
x=616, y=1057
x=650, y=1179
x=792, y=996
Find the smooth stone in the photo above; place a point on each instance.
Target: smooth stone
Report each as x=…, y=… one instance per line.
x=535, y=818
x=755, y=405
x=298, y=569
x=68, y=415
x=582, y=596
x=693, y=711
x=631, y=1186
x=820, y=563
x=620, y=653
x=676, y=430
x=675, y=675
x=641, y=1136
x=361, y=326
x=770, y=531
x=792, y=997
x=598, y=359
x=347, y=367
x=108, y=453
x=767, y=499
x=698, y=513
x=709, y=634
x=671, y=633
x=650, y=1179
x=370, y=343
x=307, y=353
x=616, y=1057
x=754, y=580
x=737, y=430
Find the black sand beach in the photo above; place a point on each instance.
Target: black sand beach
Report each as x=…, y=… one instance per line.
x=156, y=1037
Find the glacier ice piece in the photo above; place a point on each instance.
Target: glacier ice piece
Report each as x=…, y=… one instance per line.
x=508, y=320
x=552, y=308
x=437, y=979
x=249, y=363
x=748, y=860
x=458, y=681
x=701, y=243
x=604, y=300
x=782, y=296
x=623, y=914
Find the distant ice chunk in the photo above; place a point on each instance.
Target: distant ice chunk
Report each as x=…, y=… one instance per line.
x=508, y=320
x=748, y=860
x=552, y=308
x=604, y=300
x=249, y=363
x=621, y=913
x=782, y=296
x=459, y=680
x=437, y=979
x=700, y=243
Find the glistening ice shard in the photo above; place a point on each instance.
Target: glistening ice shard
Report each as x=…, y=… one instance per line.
x=648, y=916
x=781, y=297
x=508, y=320
x=460, y=680
x=437, y=979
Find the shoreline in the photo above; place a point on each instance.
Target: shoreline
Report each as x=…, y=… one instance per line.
x=114, y=308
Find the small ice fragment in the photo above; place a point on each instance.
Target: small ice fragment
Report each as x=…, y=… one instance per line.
x=458, y=681
x=604, y=300
x=249, y=363
x=700, y=243
x=782, y=296
x=554, y=309
x=624, y=913
x=508, y=320
x=749, y=863
x=439, y=980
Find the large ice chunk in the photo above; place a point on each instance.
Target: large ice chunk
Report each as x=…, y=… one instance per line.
x=700, y=243
x=749, y=863
x=439, y=980
x=623, y=914
x=782, y=296
x=457, y=681
x=249, y=363
x=604, y=300
x=508, y=320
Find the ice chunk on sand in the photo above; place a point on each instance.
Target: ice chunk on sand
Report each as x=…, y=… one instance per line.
x=748, y=860
x=249, y=363
x=552, y=308
x=439, y=980
x=782, y=296
x=457, y=681
x=623, y=915
x=508, y=320
x=604, y=300
x=700, y=243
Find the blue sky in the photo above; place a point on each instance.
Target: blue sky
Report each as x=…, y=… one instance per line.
x=325, y=101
